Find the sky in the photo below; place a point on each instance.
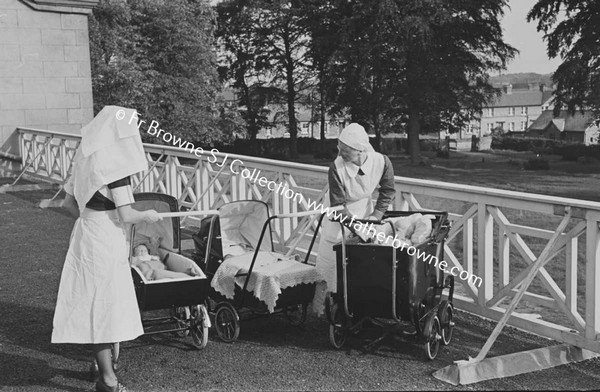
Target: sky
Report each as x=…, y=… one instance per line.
x=526, y=39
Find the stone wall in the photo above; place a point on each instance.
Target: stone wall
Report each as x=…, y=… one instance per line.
x=45, y=78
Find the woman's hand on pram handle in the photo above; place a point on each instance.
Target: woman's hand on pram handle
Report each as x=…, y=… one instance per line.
x=129, y=215
x=152, y=216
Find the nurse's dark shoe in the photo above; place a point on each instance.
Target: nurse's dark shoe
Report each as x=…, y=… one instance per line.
x=102, y=387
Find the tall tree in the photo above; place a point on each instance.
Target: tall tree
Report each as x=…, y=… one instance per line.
x=244, y=61
x=157, y=56
x=321, y=21
x=423, y=62
x=451, y=46
x=288, y=42
x=572, y=31
x=277, y=51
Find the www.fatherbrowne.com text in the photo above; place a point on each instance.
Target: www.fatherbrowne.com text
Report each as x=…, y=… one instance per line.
x=255, y=177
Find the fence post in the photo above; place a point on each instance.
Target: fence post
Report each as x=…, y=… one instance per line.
x=485, y=254
x=592, y=277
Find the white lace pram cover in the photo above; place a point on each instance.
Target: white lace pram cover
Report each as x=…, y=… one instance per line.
x=271, y=274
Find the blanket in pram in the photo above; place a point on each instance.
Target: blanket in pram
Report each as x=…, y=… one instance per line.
x=272, y=273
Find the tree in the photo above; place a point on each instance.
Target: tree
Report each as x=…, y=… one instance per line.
x=423, y=62
x=271, y=45
x=157, y=56
x=450, y=49
x=244, y=61
x=321, y=24
x=576, y=39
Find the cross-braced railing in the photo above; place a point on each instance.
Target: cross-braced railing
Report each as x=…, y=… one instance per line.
x=497, y=236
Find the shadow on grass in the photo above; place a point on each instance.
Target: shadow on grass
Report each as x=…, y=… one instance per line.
x=22, y=371
x=31, y=328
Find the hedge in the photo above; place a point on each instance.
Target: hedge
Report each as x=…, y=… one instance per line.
x=569, y=151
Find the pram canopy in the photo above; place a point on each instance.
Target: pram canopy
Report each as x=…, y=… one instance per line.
x=241, y=223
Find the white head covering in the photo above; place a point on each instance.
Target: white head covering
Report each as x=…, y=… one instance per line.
x=355, y=136
x=111, y=148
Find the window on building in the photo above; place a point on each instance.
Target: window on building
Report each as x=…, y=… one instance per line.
x=490, y=112
x=511, y=126
x=511, y=111
x=523, y=125
x=523, y=109
x=490, y=126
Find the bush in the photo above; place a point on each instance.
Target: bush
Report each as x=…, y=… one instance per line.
x=537, y=163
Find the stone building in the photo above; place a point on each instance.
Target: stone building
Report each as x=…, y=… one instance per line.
x=45, y=76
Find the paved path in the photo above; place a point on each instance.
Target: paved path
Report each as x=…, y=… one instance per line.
x=270, y=354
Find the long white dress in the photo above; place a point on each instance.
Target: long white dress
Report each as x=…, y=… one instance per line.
x=96, y=299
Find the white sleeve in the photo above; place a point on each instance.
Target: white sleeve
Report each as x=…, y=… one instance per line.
x=122, y=195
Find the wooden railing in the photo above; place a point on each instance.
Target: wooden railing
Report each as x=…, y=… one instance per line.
x=496, y=235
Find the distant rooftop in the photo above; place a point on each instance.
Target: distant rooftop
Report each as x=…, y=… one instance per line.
x=577, y=122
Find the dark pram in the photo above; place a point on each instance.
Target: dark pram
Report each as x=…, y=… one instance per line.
x=185, y=297
x=391, y=288
x=248, y=278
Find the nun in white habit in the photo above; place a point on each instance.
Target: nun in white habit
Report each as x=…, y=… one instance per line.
x=96, y=301
x=354, y=176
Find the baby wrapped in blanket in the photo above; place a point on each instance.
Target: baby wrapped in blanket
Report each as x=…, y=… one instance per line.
x=413, y=229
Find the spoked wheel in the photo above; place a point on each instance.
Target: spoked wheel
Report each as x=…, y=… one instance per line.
x=182, y=316
x=227, y=322
x=337, y=330
x=295, y=314
x=432, y=336
x=199, y=324
x=446, y=316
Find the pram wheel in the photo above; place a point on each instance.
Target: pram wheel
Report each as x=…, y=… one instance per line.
x=432, y=336
x=446, y=316
x=199, y=326
x=181, y=316
x=295, y=314
x=227, y=322
x=337, y=330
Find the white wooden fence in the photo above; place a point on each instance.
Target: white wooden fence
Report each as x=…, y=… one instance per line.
x=496, y=235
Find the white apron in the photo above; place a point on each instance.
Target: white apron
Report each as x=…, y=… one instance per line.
x=359, y=190
x=96, y=299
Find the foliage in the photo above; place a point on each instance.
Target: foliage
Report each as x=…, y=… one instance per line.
x=575, y=40
x=157, y=57
x=425, y=64
x=244, y=61
x=272, y=41
x=385, y=63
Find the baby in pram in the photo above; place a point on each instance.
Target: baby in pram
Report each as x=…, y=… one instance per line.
x=413, y=229
x=172, y=266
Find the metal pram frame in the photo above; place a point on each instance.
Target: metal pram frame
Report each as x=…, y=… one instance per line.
x=389, y=288
x=228, y=313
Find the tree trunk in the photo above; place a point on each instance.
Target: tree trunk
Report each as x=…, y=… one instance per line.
x=377, y=129
x=291, y=96
x=322, y=145
x=414, y=128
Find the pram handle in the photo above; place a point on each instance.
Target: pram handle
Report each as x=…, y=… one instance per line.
x=187, y=213
x=305, y=213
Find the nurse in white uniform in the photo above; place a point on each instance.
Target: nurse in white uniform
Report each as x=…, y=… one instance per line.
x=354, y=176
x=96, y=301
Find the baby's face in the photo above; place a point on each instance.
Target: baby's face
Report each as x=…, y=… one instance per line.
x=141, y=251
